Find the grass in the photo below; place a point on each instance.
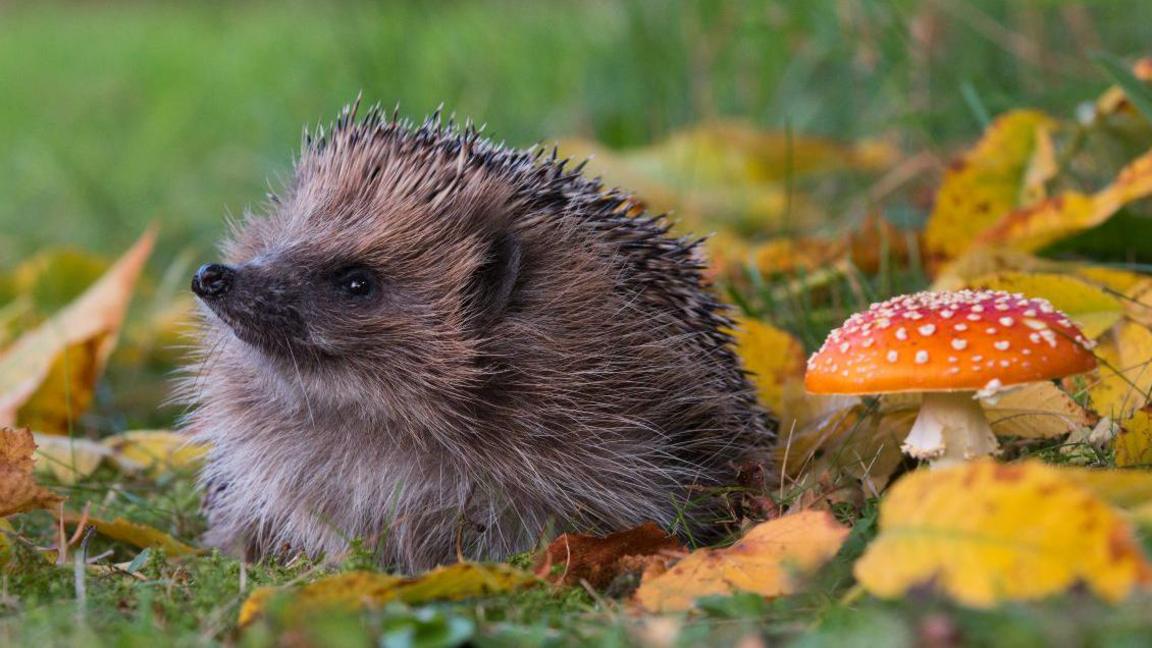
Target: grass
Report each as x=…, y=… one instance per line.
x=117, y=114
x=121, y=113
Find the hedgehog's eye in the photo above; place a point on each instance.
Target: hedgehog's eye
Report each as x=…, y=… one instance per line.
x=356, y=282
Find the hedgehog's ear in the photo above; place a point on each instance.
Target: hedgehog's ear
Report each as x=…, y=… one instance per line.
x=492, y=285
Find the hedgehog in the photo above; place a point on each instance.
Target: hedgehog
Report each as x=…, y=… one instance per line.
x=444, y=348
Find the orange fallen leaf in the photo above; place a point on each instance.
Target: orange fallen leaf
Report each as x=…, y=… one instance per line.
x=19, y=492
x=72, y=347
x=598, y=560
x=763, y=562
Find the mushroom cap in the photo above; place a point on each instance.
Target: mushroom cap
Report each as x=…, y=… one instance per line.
x=962, y=340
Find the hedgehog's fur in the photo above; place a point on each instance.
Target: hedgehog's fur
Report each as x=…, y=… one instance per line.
x=536, y=359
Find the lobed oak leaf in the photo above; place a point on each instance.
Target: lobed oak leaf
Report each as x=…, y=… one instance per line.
x=764, y=562
x=985, y=532
x=19, y=491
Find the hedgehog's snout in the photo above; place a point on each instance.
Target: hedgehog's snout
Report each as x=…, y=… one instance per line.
x=213, y=280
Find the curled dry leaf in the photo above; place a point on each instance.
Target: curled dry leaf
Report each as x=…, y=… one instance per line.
x=764, y=562
x=1038, y=410
x=19, y=491
x=985, y=532
x=574, y=557
x=47, y=375
x=357, y=590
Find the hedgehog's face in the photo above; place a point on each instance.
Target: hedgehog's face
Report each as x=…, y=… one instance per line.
x=280, y=307
x=364, y=318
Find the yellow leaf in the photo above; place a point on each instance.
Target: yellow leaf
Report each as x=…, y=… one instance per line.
x=1036, y=410
x=860, y=442
x=1047, y=221
x=92, y=321
x=1133, y=446
x=763, y=562
x=1115, y=102
x=1125, y=489
x=67, y=459
x=68, y=388
x=984, y=184
x=986, y=260
x=53, y=278
x=1042, y=168
x=774, y=357
x=985, y=532
x=19, y=492
x=356, y=590
x=155, y=450
x=729, y=172
x=1043, y=223
x=136, y=534
x=1122, y=281
x=1125, y=373
x=1132, y=183
x=1091, y=307
x=1138, y=302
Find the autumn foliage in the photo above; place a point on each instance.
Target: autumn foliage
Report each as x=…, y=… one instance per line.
x=1065, y=506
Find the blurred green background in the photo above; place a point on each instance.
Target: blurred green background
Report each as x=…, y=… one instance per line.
x=115, y=114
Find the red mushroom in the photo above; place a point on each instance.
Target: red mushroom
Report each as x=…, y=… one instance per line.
x=953, y=347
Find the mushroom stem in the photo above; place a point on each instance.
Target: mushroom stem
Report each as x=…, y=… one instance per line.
x=951, y=428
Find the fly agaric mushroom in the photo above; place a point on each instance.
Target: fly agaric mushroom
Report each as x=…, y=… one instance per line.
x=953, y=347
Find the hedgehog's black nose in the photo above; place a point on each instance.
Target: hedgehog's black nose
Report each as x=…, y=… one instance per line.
x=212, y=280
